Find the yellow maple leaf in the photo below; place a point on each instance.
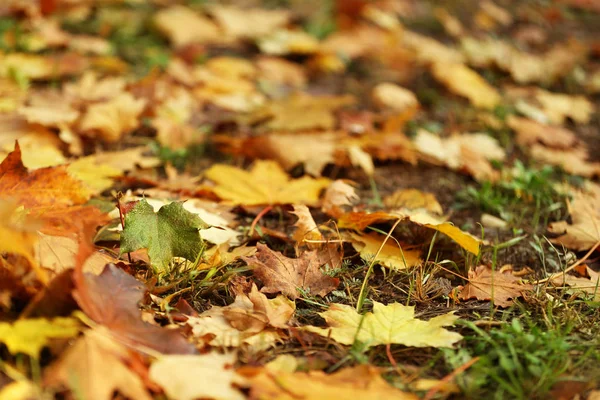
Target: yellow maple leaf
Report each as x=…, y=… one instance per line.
x=29, y=336
x=360, y=382
x=265, y=183
x=391, y=324
x=111, y=119
x=176, y=374
x=464, y=81
x=392, y=255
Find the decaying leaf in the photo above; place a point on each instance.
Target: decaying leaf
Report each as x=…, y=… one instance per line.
x=338, y=195
x=266, y=183
x=95, y=367
x=587, y=281
x=306, y=227
x=111, y=119
x=171, y=232
x=287, y=275
x=583, y=231
x=251, y=319
x=501, y=287
x=178, y=376
x=363, y=381
x=389, y=324
x=112, y=300
x=29, y=336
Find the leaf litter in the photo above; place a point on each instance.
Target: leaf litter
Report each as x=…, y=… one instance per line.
x=294, y=201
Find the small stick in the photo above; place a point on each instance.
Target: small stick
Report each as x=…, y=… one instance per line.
x=572, y=267
x=258, y=217
x=118, y=196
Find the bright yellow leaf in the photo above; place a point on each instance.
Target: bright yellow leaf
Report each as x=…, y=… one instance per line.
x=391, y=255
x=391, y=324
x=265, y=183
x=464, y=81
x=29, y=336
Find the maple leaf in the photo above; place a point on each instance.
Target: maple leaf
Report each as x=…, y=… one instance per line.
x=413, y=199
x=588, y=281
x=338, y=195
x=463, y=81
x=469, y=152
x=95, y=367
x=183, y=26
x=499, y=287
x=112, y=299
x=249, y=22
x=306, y=227
x=583, y=231
x=360, y=382
x=171, y=232
x=251, y=319
x=286, y=275
x=17, y=236
x=387, y=324
x=29, y=336
x=266, y=183
x=39, y=189
x=392, y=255
x=178, y=376
x=111, y=119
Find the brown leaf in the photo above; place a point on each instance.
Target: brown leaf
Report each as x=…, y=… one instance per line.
x=95, y=367
x=588, y=281
x=287, y=275
x=112, y=299
x=500, y=287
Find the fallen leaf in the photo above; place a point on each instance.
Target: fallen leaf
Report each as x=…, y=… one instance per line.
x=266, y=183
x=17, y=235
x=95, y=367
x=303, y=112
x=287, y=275
x=462, y=80
x=111, y=119
x=392, y=96
x=306, y=227
x=413, y=199
x=172, y=232
x=29, y=336
x=583, y=230
x=178, y=376
x=499, y=287
x=39, y=189
x=287, y=41
x=112, y=300
x=338, y=195
x=182, y=26
x=363, y=381
x=251, y=319
x=469, y=152
x=530, y=132
x=251, y=23
x=391, y=324
x=587, y=281
x=392, y=255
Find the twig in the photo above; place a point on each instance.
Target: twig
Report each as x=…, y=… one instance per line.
x=572, y=267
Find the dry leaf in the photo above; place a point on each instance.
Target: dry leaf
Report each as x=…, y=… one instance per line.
x=339, y=194
x=251, y=319
x=465, y=82
x=588, y=281
x=583, y=230
x=530, y=132
x=397, y=98
x=288, y=275
x=95, y=367
x=266, y=183
x=413, y=199
x=178, y=376
x=392, y=255
x=391, y=324
x=306, y=227
x=183, y=26
x=499, y=287
x=241, y=23
x=468, y=152
x=112, y=119
x=361, y=382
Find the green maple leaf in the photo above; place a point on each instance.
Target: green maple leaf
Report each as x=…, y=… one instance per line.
x=171, y=232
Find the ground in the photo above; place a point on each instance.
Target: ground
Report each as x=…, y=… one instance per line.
x=250, y=199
